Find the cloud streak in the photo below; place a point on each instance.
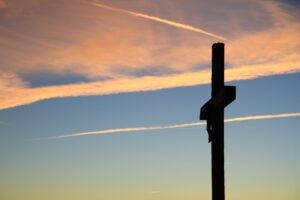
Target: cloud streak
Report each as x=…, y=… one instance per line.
x=152, y=128
x=160, y=20
x=126, y=56
x=12, y=97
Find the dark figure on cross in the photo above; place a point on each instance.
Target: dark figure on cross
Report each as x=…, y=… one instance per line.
x=209, y=128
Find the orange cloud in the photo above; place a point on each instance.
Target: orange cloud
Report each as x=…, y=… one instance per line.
x=2, y=4
x=12, y=97
x=116, y=47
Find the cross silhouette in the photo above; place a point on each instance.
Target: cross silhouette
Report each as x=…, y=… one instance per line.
x=213, y=112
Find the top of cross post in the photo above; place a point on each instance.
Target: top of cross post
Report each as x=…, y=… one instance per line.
x=217, y=67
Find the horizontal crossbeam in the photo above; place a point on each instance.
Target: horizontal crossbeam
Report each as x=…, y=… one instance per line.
x=224, y=97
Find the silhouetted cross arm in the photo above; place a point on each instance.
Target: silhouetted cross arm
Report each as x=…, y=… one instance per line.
x=209, y=110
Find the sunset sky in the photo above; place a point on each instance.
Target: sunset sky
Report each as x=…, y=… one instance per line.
x=100, y=99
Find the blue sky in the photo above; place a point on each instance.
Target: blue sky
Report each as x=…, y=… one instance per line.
x=257, y=152
x=69, y=67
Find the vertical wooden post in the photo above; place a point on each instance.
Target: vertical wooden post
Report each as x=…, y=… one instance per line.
x=217, y=143
x=213, y=112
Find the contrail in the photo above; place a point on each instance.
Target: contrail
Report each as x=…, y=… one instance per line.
x=157, y=19
x=151, y=128
x=26, y=37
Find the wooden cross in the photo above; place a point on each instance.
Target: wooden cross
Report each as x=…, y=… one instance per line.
x=213, y=112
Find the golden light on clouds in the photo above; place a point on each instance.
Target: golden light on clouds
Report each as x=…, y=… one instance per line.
x=19, y=96
x=119, y=53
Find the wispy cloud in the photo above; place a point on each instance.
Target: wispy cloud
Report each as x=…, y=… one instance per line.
x=257, y=117
x=103, y=44
x=12, y=97
x=152, y=128
x=28, y=38
x=160, y=20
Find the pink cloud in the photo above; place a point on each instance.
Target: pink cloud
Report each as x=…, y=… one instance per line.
x=104, y=44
